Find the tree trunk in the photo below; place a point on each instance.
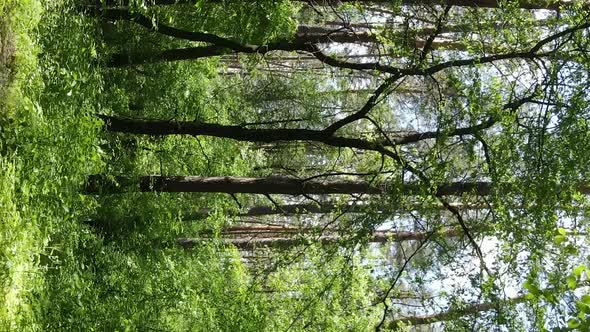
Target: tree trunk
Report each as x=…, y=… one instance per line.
x=289, y=209
x=239, y=133
x=253, y=242
x=312, y=208
x=270, y=185
x=303, y=40
x=451, y=314
x=282, y=185
x=525, y=4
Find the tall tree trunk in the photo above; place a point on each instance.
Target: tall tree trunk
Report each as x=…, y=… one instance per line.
x=239, y=133
x=223, y=45
x=312, y=208
x=525, y=4
x=303, y=40
x=274, y=185
x=253, y=242
x=283, y=185
x=289, y=209
x=451, y=314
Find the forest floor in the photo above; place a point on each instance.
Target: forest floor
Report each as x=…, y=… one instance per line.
x=40, y=129
x=18, y=245
x=52, y=263
x=7, y=53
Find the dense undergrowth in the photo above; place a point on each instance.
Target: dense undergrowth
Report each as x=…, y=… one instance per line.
x=76, y=262
x=48, y=145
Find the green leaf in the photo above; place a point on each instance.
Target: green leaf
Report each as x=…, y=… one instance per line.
x=573, y=323
x=527, y=285
x=559, y=239
x=572, y=282
x=562, y=231
x=583, y=308
x=578, y=270
x=586, y=299
x=531, y=286
x=570, y=249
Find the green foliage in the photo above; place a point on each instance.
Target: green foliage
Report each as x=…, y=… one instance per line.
x=113, y=262
x=49, y=138
x=327, y=291
x=68, y=259
x=124, y=287
x=254, y=22
x=19, y=247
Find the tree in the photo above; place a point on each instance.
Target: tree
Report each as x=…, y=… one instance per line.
x=307, y=42
x=256, y=238
x=541, y=4
x=287, y=186
x=311, y=208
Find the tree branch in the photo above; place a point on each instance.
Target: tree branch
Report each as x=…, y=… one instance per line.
x=453, y=313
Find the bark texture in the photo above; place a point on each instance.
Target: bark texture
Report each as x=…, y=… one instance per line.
x=284, y=185
x=240, y=133
x=254, y=242
x=311, y=208
x=525, y=4
x=451, y=314
x=270, y=185
x=302, y=42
